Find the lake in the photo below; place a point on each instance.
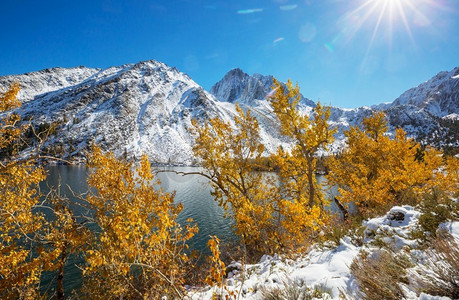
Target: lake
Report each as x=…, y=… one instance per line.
x=193, y=191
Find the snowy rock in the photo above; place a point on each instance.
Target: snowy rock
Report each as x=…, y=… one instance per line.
x=394, y=228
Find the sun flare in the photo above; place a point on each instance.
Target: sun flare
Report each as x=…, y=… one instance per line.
x=388, y=12
x=383, y=21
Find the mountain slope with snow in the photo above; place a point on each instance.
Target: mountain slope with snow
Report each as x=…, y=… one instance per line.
x=131, y=109
x=147, y=107
x=428, y=111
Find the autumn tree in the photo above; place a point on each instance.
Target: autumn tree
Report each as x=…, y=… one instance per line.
x=133, y=246
x=266, y=220
x=20, y=268
x=140, y=248
x=375, y=171
x=310, y=135
x=228, y=155
x=37, y=233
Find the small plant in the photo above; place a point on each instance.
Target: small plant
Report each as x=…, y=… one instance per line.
x=380, y=274
x=436, y=208
x=443, y=261
x=337, y=229
x=217, y=267
x=217, y=272
x=294, y=291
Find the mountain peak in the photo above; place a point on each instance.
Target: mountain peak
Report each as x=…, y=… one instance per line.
x=237, y=72
x=238, y=86
x=438, y=96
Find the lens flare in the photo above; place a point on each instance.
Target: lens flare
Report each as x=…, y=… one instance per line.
x=386, y=19
x=329, y=47
x=249, y=11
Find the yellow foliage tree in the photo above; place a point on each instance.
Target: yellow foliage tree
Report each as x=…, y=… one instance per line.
x=268, y=216
x=229, y=156
x=140, y=249
x=302, y=195
x=20, y=268
x=375, y=172
x=30, y=240
x=297, y=168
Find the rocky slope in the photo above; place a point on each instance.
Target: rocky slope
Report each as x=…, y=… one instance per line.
x=131, y=109
x=430, y=111
x=147, y=107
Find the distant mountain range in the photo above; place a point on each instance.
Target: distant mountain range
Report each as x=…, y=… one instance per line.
x=147, y=107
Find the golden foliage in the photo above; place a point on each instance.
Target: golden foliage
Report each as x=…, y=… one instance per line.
x=271, y=212
x=217, y=270
x=229, y=156
x=137, y=251
x=303, y=199
x=140, y=249
x=375, y=171
x=20, y=268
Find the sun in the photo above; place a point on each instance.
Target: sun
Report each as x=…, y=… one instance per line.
x=374, y=13
x=382, y=20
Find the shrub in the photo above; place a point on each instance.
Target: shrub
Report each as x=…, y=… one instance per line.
x=436, y=207
x=294, y=291
x=380, y=274
x=443, y=261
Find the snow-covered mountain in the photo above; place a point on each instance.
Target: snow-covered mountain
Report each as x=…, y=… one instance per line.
x=430, y=110
x=147, y=107
x=438, y=96
x=130, y=109
x=237, y=86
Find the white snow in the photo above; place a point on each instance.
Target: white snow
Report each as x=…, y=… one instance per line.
x=327, y=269
x=452, y=116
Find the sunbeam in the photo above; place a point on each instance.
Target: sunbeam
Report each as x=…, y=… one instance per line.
x=384, y=20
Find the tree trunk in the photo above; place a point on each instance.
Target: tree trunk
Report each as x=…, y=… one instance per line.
x=311, y=182
x=60, y=274
x=341, y=208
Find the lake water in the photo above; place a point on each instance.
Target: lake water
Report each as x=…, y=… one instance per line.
x=193, y=191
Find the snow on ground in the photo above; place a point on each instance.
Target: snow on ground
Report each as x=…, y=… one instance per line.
x=325, y=269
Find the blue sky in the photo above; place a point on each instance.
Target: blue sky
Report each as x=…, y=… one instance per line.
x=346, y=53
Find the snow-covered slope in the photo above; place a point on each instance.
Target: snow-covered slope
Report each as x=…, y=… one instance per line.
x=325, y=269
x=438, y=96
x=146, y=108
x=131, y=109
x=422, y=110
x=37, y=83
